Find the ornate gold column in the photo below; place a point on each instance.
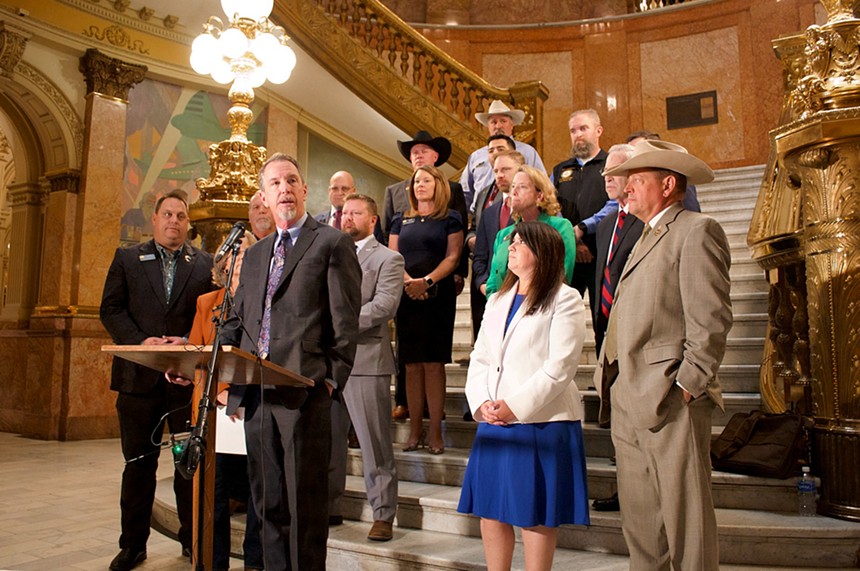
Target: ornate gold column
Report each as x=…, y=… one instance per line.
x=807, y=221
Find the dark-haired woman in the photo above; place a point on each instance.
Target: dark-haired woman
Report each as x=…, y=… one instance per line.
x=527, y=465
x=429, y=236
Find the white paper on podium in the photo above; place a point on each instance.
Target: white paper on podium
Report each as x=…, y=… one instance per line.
x=229, y=435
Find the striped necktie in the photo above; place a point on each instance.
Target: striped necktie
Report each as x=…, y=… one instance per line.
x=275, y=272
x=607, y=291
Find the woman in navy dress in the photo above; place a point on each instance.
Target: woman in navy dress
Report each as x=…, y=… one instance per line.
x=527, y=465
x=430, y=238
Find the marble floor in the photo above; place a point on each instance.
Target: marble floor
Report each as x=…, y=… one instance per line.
x=59, y=510
x=59, y=507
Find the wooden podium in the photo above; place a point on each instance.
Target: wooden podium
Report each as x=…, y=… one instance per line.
x=235, y=366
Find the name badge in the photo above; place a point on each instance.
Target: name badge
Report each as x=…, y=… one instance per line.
x=408, y=221
x=146, y=257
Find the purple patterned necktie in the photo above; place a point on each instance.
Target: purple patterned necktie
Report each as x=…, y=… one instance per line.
x=274, y=278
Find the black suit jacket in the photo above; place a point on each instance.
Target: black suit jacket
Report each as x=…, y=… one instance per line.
x=630, y=234
x=134, y=306
x=315, y=308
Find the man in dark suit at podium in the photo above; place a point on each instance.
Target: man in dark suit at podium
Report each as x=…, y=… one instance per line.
x=297, y=306
x=149, y=298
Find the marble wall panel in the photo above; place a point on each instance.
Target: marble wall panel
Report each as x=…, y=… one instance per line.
x=691, y=64
x=282, y=132
x=103, y=181
x=57, y=266
x=448, y=12
x=605, y=83
x=555, y=69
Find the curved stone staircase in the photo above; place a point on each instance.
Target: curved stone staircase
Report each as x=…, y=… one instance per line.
x=757, y=519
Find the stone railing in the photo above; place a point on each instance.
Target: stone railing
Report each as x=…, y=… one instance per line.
x=402, y=75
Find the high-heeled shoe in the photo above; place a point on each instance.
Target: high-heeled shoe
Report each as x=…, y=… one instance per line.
x=436, y=451
x=412, y=447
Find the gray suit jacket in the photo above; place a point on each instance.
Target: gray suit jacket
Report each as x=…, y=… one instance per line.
x=381, y=288
x=671, y=316
x=314, y=309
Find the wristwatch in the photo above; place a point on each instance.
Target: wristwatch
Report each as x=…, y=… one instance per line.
x=428, y=280
x=583, y=228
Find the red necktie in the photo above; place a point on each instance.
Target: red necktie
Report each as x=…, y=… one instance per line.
x=607, y=291
x=491, y=196
x=338, y=214
x=504, y=214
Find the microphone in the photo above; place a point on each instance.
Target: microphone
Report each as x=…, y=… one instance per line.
x=235, y=234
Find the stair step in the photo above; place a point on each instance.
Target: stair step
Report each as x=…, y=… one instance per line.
x=741, y=378
x=459, y=435
x=760, y=537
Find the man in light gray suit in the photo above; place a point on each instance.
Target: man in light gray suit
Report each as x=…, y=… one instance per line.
x=665, y=340
x=367, y=396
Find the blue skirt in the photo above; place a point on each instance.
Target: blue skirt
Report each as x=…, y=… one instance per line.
x=527, y=475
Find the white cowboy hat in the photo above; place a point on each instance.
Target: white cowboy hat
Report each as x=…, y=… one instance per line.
x=655, y=154
x=499, y=108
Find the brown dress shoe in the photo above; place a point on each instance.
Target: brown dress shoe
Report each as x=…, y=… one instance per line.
x=381, y=531
x=400, y=412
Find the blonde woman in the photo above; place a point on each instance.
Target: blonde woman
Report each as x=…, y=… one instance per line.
x=533, y=198
x=429, y=236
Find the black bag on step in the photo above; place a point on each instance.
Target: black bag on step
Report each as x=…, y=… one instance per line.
x=760, y=444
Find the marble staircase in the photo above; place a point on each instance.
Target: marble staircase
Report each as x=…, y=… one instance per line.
x=757, y=518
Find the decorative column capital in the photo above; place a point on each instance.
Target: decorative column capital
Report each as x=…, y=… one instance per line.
x=110, y=76
x=66, y=180
x=12, y=44
x=27, y=194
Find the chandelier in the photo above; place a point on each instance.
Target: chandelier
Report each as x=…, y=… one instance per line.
x=244, y=52
x=247, y=51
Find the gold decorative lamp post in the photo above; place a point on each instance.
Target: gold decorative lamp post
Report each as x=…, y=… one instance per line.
x=244, y=52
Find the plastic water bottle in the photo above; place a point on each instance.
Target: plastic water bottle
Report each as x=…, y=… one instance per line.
x=806, y=494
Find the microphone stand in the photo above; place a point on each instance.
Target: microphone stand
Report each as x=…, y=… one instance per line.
x=196, y=446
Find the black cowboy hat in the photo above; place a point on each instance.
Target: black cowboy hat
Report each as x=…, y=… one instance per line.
x=439, y=144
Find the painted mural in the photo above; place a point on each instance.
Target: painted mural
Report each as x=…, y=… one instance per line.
x=168, y=133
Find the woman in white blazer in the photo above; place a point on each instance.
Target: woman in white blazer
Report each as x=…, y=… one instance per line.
x=527, y=465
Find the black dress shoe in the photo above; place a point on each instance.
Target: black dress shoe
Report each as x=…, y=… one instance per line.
x=609, y=504
x=335, y=519
x=186, y=552
x=127, y=559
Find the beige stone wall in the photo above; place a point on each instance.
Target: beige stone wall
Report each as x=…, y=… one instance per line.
x=626, y=68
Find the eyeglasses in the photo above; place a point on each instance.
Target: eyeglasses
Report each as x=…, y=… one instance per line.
x=516, y=243
x=340, y=188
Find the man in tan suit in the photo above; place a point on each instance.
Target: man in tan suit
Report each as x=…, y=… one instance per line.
x=665, y=340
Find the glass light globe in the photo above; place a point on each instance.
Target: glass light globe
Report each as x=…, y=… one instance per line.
x=280, y=69
x=253, y=9
x=202, y=61
x=288, y=57
x=233, y=43
x=257, y=76
x=204, y=43
x=265, y=47
x=222, y=73
x=278, y=74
